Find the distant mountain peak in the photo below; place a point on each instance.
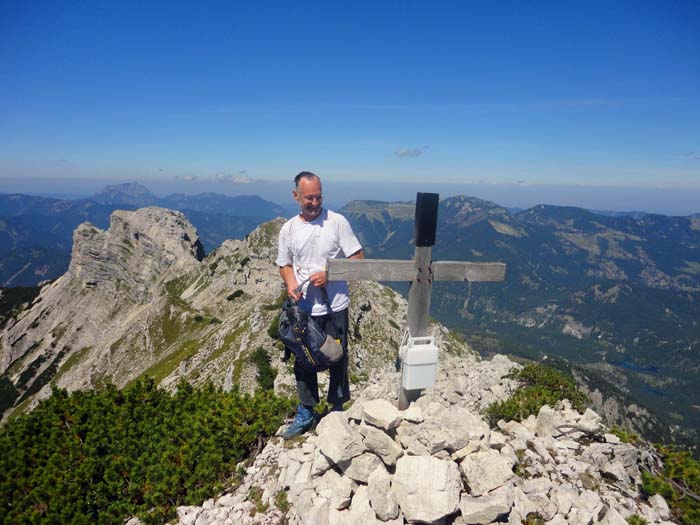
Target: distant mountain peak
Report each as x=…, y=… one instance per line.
x=128, y=193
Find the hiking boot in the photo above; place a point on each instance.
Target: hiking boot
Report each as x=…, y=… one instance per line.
x=303, y=421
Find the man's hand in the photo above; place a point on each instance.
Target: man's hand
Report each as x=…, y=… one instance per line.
x=319, y=279
x=287, y=274
x=292, y=292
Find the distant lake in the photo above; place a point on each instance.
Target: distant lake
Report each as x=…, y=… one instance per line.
x=655, y=391
x=629, y=365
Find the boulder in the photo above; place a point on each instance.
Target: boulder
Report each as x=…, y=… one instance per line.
x=590, y=421
x=380, y=495
x=413, y=413
x=336, y=488
x=320, y=464
x=381, y=444
x=381, y=414
x=485, y=471
x=658, y=503
x=487, y=508
x=337, y=440
x=545, y=424
x=612, y=517
x=359, y=513
x=497, y=440
x=426, y=488
x=589, y=502
x=615, y=471
x=563, y=497
x=407, y=434
x=360, y=467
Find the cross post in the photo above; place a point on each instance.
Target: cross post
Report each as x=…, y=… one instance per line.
x=420, y=272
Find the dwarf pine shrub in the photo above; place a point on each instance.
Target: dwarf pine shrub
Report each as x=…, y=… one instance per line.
x=100, y=457
x=679, y=483
x=540, y=385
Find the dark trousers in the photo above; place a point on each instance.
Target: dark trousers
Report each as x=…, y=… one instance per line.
x=339, y=387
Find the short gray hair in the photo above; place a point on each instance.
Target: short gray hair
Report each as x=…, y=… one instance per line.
x=305, y=175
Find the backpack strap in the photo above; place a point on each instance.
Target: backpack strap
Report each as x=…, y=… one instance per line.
x=331, y=313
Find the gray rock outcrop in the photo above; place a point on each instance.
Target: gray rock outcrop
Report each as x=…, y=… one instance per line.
x=546, y=468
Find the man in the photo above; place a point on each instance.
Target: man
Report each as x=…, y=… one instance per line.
x=305, y=242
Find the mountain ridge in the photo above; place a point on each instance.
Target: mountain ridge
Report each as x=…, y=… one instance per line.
x=141, y=298
x=617, y=296
x=43, y=251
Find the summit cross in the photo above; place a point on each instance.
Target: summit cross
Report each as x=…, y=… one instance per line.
x=420, y=272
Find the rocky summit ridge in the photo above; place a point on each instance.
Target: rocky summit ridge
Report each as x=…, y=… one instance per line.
x=142, y=299
x=439, y=462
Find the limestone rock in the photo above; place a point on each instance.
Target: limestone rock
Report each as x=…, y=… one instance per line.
x=486, y=508
x=612, y=517
x=337, y=489
x=360, y=512
x=545, y=421
x=658, y=503
x=380, y=495
x=427, y=489
x=485, y=471
x=616, y=472
x=557, y=520
x=320, y=464
x=360, y=467
x=564, y=497
x=380, y=413
x=382, y=445
x=337, y=440
x=413, y=413
x=590, y=421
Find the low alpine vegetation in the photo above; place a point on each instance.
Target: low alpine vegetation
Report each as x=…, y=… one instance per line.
x=100, y=457
x=266, y=372
x=679, y=483
x=540, y=385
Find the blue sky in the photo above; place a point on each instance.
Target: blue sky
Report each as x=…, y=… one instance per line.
x=501, y=93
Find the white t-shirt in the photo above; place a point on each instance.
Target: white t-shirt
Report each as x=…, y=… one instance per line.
x=307, y=245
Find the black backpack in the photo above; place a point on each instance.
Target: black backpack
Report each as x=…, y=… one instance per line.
x=313, y=349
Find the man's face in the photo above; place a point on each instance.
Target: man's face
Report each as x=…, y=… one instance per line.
x=310, y=197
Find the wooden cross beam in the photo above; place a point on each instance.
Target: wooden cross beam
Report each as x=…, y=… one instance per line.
x=420, y=272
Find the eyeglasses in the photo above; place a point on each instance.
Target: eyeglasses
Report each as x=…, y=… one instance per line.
x=311, y=198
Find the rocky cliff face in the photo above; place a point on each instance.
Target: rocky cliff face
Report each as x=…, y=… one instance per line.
x=139, y=298
x=67, y=337
x=439, y=462
x=139, y=248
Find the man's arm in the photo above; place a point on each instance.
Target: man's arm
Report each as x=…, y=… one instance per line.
x=359, y=254
x=287, y=274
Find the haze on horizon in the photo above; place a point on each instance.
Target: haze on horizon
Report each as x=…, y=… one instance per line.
x=595, y=105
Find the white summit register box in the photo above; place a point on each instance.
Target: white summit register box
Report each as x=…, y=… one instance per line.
x=418, y=363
